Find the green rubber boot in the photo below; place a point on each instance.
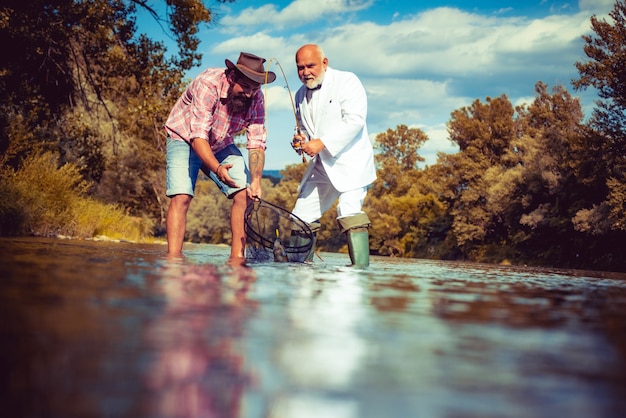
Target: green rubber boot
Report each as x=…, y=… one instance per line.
x=355, y=227
x=359, y=247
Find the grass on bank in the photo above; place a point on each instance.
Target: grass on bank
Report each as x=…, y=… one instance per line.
x=43, y=199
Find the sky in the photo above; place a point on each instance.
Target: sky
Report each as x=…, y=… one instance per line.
x=418, y=60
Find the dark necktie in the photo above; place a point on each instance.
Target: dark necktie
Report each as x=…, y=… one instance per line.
x=309, y=92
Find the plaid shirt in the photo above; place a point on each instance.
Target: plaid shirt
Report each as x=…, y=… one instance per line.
x=201, y=112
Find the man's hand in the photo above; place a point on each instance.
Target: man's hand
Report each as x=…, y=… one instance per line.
x=221, y=173
x=313, y=147
x=255, y=190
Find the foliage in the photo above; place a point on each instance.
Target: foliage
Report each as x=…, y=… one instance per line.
x=208, y=215
x=91, y=88
x=82, y=150
x=41, y=199
x=284, y=194
x=484, y=133
x=406, y=210
x=396, y=159
x=606, y=139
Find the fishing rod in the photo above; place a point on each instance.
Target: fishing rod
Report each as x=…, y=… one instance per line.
x=293, y=104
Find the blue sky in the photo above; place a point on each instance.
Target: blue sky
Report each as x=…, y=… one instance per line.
x=419, y=61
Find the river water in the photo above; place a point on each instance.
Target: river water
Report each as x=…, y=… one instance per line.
x=92, y=329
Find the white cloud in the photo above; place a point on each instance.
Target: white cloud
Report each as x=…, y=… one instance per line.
x=295, y=14
x=277, y=98
x=524, y=101
x=419, y=68
x=249, y=18
x=438, y=141
x=260, y=41
x=439, y=43
x=407, y=101
x=447, y=42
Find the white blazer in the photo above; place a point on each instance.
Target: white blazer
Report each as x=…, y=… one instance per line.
x=340, y=122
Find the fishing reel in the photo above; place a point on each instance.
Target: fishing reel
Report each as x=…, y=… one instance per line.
x=296, y=143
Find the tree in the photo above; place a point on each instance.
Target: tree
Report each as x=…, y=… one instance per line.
x=484, y=133
x=606, y=140
x=511, y=183
x=406, y=210
x=548, y=193
x=89, y=87
x=396, y=159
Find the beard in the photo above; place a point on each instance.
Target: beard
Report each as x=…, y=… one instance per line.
x=315, y=82
x=237, y=104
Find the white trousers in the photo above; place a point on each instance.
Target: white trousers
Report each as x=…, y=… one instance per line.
x=317, y=195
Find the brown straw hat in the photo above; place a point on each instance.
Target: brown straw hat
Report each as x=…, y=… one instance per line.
x=252, y=67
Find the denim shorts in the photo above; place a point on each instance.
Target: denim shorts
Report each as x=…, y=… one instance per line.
x=183, y=165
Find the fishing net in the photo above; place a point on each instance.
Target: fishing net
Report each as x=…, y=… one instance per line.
x=275, y=233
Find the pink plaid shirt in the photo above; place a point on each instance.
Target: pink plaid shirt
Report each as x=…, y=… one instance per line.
x=200, y=113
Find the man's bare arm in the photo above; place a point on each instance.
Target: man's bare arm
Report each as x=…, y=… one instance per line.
x=256, y=162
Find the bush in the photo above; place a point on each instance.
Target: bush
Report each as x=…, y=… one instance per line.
x=11, y=215
x=43, y=199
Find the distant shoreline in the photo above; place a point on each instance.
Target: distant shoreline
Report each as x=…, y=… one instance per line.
x=272, y=173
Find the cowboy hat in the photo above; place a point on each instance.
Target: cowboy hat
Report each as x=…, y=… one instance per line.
x=252, y=67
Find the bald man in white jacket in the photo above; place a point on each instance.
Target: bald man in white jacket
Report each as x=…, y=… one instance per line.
x=332, y=110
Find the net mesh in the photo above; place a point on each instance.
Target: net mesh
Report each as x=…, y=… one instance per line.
x=270, y=228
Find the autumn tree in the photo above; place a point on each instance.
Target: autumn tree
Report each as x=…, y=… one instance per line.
x=484, y=133
x=88, y=86
x=403, y=209
x=396, y=159
x=547, y=193
x=605, y=70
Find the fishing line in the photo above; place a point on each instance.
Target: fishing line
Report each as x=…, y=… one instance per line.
x=273, y=231
x=293, y=104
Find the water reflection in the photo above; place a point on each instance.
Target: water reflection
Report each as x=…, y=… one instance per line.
x=197, y=369
x=117, y=330
x=325, y=351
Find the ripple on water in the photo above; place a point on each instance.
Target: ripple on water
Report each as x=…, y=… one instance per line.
x=117, y=329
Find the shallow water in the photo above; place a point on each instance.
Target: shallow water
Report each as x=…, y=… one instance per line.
x=94, y=329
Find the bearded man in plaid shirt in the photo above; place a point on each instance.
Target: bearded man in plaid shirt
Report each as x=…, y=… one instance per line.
x=218, y=104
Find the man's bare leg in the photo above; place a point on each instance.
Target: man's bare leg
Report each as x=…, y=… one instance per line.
x=237, y=213
x=176, y=223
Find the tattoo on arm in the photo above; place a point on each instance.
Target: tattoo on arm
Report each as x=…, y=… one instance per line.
x=257, y=161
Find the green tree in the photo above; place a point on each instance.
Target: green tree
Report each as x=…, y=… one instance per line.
x=209, y=215
x=512, y=188
x=483, y=131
